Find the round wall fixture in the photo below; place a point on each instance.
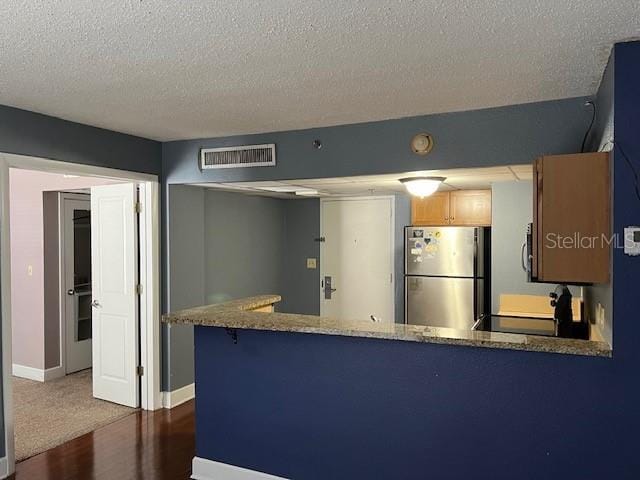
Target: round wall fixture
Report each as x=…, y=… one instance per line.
x=422, y=143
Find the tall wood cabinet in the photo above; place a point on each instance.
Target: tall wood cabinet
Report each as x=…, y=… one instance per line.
x=458, y=207
x=571, y=218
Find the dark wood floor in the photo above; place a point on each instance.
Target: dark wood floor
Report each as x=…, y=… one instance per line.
x=145, y=445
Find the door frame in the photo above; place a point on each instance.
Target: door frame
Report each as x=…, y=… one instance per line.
x=392, y=220
x=149, y=221
x=62, y=266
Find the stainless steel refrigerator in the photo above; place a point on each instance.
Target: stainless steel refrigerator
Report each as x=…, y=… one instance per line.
x=444, y=276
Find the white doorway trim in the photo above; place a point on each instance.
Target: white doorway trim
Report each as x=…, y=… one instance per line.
x=149, y=278
x=392, y=199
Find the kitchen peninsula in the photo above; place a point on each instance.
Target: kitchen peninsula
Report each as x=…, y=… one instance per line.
x=256, y=313
x=278, y=392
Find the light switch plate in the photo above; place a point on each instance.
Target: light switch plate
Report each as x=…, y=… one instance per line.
x=311, y=263
x=632, y=241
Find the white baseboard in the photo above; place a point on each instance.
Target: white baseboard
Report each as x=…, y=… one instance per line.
x=179, y=396
x=29, y=373
x=203, y=469
x=53, y=373
x=37, y=374
x=4, y=467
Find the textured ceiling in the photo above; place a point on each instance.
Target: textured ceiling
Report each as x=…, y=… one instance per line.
x=175, y=69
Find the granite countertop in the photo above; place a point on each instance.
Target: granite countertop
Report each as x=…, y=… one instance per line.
x=238, y=314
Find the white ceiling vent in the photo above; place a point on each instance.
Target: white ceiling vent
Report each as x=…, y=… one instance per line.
x=242, y=156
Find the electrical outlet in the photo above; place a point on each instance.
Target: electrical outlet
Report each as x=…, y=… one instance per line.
x=311, y=263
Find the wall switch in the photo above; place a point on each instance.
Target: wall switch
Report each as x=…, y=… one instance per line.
x=632, y=241
x=30, y=270
x=311, y=263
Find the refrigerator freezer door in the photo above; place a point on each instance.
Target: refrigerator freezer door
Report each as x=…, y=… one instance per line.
x=440, y=302
x=444, y=251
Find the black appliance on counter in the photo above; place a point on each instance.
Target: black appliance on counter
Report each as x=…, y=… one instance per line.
x=563, y=315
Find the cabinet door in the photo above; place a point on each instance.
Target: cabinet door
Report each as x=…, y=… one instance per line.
x=431, y=210
x=573, y=218
x=470, y=207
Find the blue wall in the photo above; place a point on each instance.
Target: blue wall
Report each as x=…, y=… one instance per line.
x=316, y=407
x=626, y=270
x=313, y=407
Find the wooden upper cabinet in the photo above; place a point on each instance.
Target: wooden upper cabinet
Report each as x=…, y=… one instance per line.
x=431, y=210
x=459, y=207
x=572, y=218
x=470, y=207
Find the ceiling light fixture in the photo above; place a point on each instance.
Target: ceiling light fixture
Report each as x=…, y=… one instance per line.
x=422, y=186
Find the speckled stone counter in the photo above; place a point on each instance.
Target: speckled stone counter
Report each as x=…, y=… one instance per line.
x=240, y=314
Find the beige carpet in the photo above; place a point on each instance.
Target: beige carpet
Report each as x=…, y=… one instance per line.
x=49, y=414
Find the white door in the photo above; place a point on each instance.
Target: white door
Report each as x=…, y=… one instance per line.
x=114, y=255
x=356, y=259
x=76, y=271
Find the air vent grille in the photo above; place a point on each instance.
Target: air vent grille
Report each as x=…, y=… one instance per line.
x=243, y=156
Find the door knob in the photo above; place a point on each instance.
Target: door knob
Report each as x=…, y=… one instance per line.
x=71, y=291
x=96, y=304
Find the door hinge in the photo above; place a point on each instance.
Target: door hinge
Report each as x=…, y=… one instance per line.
x=138, y=207
x=139, y=371
x=139, y=289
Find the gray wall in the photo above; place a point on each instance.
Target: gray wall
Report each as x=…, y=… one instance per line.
x=244, y=245
x=51, y=244
x=186, y=279
x=497, y=136
x=511, y=211
x=28, y=133
x=300, y=285
x=226, y=245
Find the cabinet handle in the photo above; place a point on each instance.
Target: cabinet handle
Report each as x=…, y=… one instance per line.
x=446, y=218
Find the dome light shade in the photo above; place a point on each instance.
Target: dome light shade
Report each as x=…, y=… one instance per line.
x=422, y=186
